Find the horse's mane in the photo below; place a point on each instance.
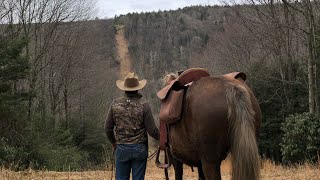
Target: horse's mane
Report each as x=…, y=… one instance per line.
x=168, y=78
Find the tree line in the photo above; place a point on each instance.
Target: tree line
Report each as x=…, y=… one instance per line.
x=58, y=68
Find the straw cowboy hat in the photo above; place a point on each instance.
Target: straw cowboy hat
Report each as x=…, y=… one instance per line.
x=131, y=83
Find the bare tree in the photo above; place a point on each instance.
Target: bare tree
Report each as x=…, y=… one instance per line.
x=39, y=21
x=285, y=26
x=307, y=9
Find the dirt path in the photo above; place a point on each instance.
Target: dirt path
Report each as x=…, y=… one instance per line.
x=123, y=52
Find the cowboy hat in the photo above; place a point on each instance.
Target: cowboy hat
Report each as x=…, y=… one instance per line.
x=131, y=83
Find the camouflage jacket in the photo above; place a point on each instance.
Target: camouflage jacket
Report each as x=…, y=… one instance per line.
x=129, y=119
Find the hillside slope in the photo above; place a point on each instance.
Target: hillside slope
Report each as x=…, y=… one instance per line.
x=122, y=51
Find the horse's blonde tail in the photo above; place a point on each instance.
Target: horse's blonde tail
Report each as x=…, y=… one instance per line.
x=244, y=149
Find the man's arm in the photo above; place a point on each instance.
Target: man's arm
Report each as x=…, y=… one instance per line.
x=151, y=127
x=109, y=125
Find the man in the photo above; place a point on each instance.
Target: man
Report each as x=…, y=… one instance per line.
x=129, y=119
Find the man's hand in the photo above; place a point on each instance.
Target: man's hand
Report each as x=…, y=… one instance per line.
x=114, y=146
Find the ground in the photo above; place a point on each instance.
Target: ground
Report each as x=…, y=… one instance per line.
x=268, y=171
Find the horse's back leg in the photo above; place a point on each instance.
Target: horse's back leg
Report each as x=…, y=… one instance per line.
x=211, y=170
x=200, y=172
x=178, y=169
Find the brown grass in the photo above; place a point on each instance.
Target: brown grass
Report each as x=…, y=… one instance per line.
x=269, y=171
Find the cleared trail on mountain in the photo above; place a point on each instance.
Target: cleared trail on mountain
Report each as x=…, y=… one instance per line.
x=123, y=52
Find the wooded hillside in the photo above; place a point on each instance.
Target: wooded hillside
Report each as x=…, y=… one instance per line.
x=58, y=75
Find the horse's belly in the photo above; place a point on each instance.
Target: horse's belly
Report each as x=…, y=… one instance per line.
x=185, y=157
x=184, y=151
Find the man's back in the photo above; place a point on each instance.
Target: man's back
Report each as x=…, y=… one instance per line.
x=129, y=121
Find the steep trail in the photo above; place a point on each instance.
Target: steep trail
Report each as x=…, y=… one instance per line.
x=123, y=52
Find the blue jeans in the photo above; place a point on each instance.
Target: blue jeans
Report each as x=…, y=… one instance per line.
x=131, y=156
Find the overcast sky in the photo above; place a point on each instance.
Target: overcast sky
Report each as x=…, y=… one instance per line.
x=110, y=8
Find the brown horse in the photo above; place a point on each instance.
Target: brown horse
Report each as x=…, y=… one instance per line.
x=219, y=115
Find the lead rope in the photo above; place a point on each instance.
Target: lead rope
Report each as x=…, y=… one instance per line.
x=112, y=164
x=152, y=155
x=166, y=174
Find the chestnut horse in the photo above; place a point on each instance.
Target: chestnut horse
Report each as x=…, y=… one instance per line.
x=219, y=115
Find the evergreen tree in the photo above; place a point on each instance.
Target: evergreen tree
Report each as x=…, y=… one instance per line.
x=13, y=70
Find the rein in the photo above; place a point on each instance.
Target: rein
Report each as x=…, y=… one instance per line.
x=152, y=155
x=163, y=146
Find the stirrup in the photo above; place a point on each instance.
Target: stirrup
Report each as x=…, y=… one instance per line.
x=158, y=163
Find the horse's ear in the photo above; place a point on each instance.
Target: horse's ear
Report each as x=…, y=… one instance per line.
x=240, y=76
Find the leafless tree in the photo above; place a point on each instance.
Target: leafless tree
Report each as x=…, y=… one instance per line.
x=39, y=21
x=284, y=27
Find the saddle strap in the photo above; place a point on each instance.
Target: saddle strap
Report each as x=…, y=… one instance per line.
x=163, y=135
x=163, y=146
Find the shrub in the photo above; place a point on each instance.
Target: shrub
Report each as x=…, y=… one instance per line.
x=56, y=151
x=301, y=142
x=12, y=157
x=62, y=158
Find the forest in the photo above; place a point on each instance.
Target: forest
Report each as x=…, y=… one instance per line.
x=59, y=64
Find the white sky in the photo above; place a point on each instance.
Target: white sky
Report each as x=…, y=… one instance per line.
x=110, y=8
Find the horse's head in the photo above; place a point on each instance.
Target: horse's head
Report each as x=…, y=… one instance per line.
x=169, y=78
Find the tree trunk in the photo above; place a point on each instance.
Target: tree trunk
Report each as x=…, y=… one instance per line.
x=313, y=99
x=65, y=98
x=288, y=35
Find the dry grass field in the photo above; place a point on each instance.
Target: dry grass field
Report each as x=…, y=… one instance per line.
x=268, y=171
